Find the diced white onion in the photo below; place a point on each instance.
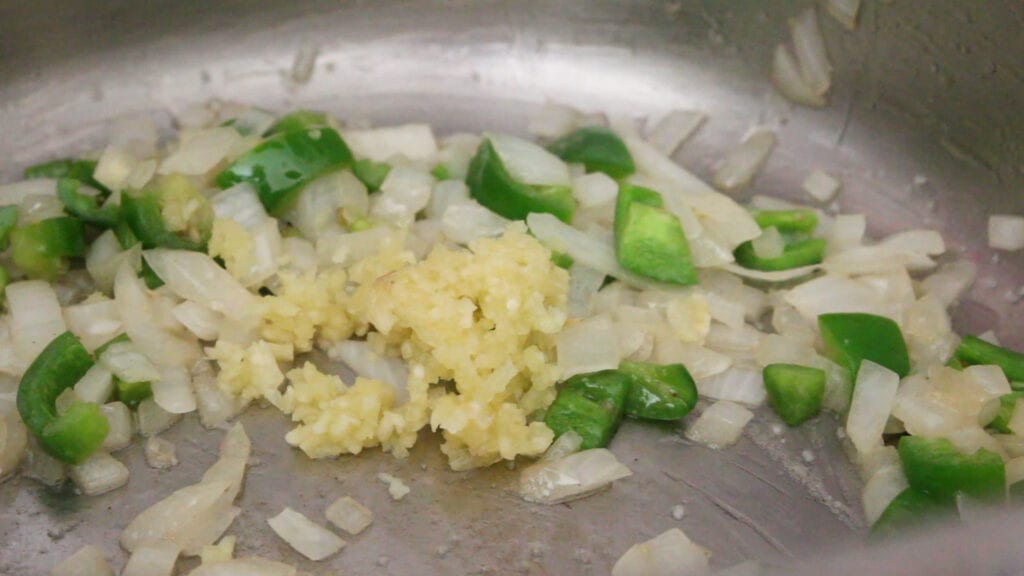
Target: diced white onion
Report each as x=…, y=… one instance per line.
x=160, y=453
x=446, y=193
x=884, y=485
x=37, y=207
x=457, y=152
x=43, y=467
x=114, y=168
x=241, y=204
x=125, y=361
x=298, y=255
x=235, y=449
x=153, y=559
x=847, y=232
x=94, y=322
x=769, y=244
x=245, y=567
x=873, y=398
x=14, y=193
x=349, y=515
x=528, y=163
x=467, y=221
x=809, y=46
x=587, y=346
x=121, y=426
x=100, y=474
x=316, y=210
x=155, y=342
x=737, y=384
x=844, y=11
x=789, y=80
x=36, y=317
x=594, y=189
x=584, y=284
x=1014, y=470
x=153, y=419
x=360, y=357
x=720, y=425
x=553, y=121
x=215, y=407
x=104, y=257
x=571, y=477
x=199, y=319
x=701, y=362
x=567, y=443
x=195, y=276
x=773, y=276
x=989, y=378
x=670, y=553
x=87, y=561
x=1006, y=232
x=346, y=248
x=950, y=281
x=675, y=128
x=307, y=537
x=187, y=517
x=200, y=151
x=13, y=441
x=831, y=293
x=172, y=390
x=821, y=186
x=413, y=141
x=743, y=163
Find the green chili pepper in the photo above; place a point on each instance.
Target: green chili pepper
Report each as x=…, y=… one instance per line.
x=909, y=510
x=371, y=173
x=935, y=467
x=74, y=435
x=1007, y=406
x=800, y=253
x=296, y=121
x=852, y=337
x=493, y=187
x=81, y=170
x=441, y=172
x=974, y=350
x=592, y=405
x=281, y=165
x=659, y=392
x=800, y=220
x=144, y=217
x=122, y=337
x=794, y=391
x=149, y=276
x=132, y=393
x=86, y=208
x=649, y=239
x=562, y=260
x=8, y=221
x=41, y=249
x=598, y=149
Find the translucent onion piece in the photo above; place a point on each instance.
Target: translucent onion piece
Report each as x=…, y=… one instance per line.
x=35, y=208
x=160, y=453
x=769, y=244
x=809, y=46
x=115, y=167
x=446, y=193
x=789, y=80
x=154, y=341
x=13, y=441
x=882, y=486
x=94, y=322
x=307, y=537
x=1006, y=232
x=587, y=346
x=873, y=398
x=403, y=193
x=670, y=553
x=100, y=474
x=413, y=141
x=195, y=276
x=467, y=221
x=950, y=281
x=720, y=425
x=153, y=559
x=200, y=320
x=743, y=163
x=675, y=128
x=172, y=390
x=104, y=257
x=844, y=11
x=571, y=477
x=36, y=318
x=349, y=515
x=358, y=356
x=594, y=189
x=528, y=163
x=241, y=204
x=13, y=194
x=568, y=443
x=87, y=561
x=554, y=121
x=737, y=384
x=832, y=293
x=821, y=186
x=584, y=284
x=183, y=517
x=200, y=151
x=125, y=361
x=245, y=567
x=121, y=427
x=153, y=419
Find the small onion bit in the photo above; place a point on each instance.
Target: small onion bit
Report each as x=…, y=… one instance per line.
x=307, y=537
x=670, y=553
x=571, y=477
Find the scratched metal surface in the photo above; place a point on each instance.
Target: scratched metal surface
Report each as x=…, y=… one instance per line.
x=923, y=89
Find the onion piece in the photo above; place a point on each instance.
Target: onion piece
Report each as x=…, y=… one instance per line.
x=467, y=221
x=446, y=193
x=675, y=128
x=36, y=317
x=821, y=186
x=95, y=322
x=360, y=357
x=554, y=121
x=100, y=474
x=349, y=515
x=884, y=485
x=200, y=151
x=773, y=277
x=571, y=477
x=403, y=193
x=343, y=249
x=950, y=281
x=587, y=346
x=104, y=258
x=241, y=204
x=584, y=284
x=172, y=390
x=844, y=11
x=87, y=561
x=720, y=425
x=528, y=163
x=125, y=361
x=14, y=193
x=36, y=207
x=789, y=80
x=567, y=443
x=153, y=419
x=121, y=426
x=670, y=553
x=198, y=319
x=594, y=189
x=13, y=441
x=737, y=384
x=245, y=567
x=153, y=559
x=809, y=46
x=155, y=342
x=195, y=276
x=831, y=293
x=413, y=141
x=770, y=244
x=307, y=537
x=160, y=453
x=873, y=397
x=743, y=163
x=1006, y=232
x=115, y=167
x=42, y=467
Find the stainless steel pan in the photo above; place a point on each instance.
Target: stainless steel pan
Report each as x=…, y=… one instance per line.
x=925, y=126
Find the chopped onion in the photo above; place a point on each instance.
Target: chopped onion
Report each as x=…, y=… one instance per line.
x=95, y=322
x=316, y=210
x=403, y=193
x=468, y=221
x=675, y=128
x=413, y=141
x=776, y=276
x=245, y=567
x=125, y=361
x=172, y=390
x=307, y=537
x=195, y=276
x=199, y=319
x=789, y=80
x=884, y=485
x=360, y=357
x=114, y=167
x=87, y=561
x=737, y=384
x=594, y=189
x=153, y=419
x=37, y=207
x=921, y=414
x=104, y=257
x=809, y=46
x=153, y=559
x=769, y=244
x=241, y=204
x=349, y=515
x=571, y=477
x=235, y=450
x=872, y=402
x=989, y=378
x=160, y=453
x=100, y=474
x=215, y=407
x=121, y=426
x=298, y=255
x=584, y=284
x=528, y=163
x=36, y=318
x=446, y=193
x=396, y=487
x=844, y=11
x=950, y=281
x=13, y=194
x=587, y=346
x=13, y=441
x=43, y=467
x=832, y=293
x=720, y=425
x=701, y=362
x=222, y=551
x=668, y=554
x=567, y=443
x=200, y=151
x=187, y=517
x=155, y=342
x=821, y=186
x=1006, y=232
x=554, y=121
x=456, y=153
x=745, y=161
x=343, y=249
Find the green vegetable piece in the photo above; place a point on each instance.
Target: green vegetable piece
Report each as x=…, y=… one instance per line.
x=81, y=170
x=122, y=337
x=852, y=337
x=280, y=166
x=598, y=149
x=297, y=121
x=8, y=221
x=371, y=173
x=795, y=391
x=935, y=467
x=801, y=220
x=5, y=279
x=592, y=405
x=125, y=237
x=649, y=240
x=562, y=260
x=659, y=392
x=73, y=436
x=441, y=172
x=149, y=276
x=1007, y=406
x=41, y=249
x=974, y=350
x=144, y=217
x=86, y=208
x=132, y=393
x=493, y=187
x=801, y=253
x=909, y=510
